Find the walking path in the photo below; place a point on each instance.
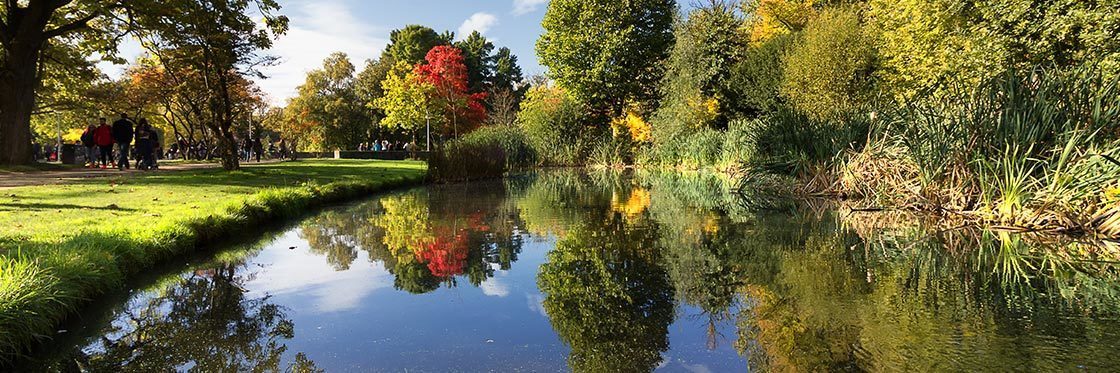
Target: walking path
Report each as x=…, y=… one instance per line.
x=18, y=179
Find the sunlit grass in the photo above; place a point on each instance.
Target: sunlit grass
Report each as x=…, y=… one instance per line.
x=62, y=244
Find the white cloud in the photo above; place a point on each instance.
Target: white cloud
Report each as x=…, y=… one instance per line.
x=317, y=29
x=494, y=288
x=522, y=7
x=481, y=22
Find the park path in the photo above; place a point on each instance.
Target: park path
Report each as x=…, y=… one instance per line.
x=18, y=179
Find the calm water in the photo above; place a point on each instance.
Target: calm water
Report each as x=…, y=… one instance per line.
x=603, y=272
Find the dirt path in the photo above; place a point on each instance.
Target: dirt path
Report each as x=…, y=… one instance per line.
x=18, y=179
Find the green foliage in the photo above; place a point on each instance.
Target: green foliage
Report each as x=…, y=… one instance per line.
x=329, y=100
x=696, y=95
x=478, y=59
x=552, y=121
x=828, y=71
x=407, y=100
x=411, y=43
x=465, y=159
x=488, y=152
x=97, y=233
x=756, y=81
x=607, y=54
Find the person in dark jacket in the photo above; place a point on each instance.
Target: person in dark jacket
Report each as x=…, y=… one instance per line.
x=122, y=135
x=91, y=146
x=143, y=144
x=103, y=137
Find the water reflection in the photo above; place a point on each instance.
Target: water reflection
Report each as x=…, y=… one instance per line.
x=204, y=322
x=628, y=273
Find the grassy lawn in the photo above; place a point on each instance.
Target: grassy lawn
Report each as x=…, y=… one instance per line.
x=62, y=244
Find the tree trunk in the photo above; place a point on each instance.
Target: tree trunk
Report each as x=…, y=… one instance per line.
x=18, y=80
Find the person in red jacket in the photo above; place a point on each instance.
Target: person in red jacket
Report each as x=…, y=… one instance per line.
x=103, y=137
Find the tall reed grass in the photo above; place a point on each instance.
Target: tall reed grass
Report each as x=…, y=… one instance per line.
x=1035, y=149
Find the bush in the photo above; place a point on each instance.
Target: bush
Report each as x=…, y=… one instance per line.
x=468, y=159
x=553, y=124
x=519, y=153
x=827, y=73
x=756, y=80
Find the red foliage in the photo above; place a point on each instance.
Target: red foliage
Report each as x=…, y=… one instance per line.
x=446, y=71
x=446, y=256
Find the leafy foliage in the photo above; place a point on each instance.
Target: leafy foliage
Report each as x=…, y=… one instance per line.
x=607, y=54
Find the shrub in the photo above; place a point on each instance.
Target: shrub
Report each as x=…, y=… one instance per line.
x=519, y=153
x=756, y=80
x=467, y=159
x=553, y=124
x=827, y=73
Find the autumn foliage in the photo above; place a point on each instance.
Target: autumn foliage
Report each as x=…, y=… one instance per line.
x=446, y=71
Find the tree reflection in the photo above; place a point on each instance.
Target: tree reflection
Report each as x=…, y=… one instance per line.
x=608, y=296
x=202, y=323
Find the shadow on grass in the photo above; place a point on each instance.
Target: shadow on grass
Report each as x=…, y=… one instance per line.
x=57, y=206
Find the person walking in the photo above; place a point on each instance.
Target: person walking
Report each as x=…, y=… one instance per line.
x=91, y=146
x=103, y=138
x=258, y=147
x=123, y=131
x=144, y=146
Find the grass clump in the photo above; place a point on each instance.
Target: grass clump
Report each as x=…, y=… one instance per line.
x=61, y=245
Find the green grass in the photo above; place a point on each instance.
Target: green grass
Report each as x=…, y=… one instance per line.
x=61, y=245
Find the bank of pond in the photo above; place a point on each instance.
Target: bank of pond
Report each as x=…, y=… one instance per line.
x=605, y=271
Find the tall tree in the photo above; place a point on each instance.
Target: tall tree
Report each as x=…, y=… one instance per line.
x=368, y=85
x=330, y=100
x=221, y=41
x=480, y=64
x=27, y=28
x=507, y=74
x=411, y=43
x=607, y=54
x=447, y=74
x=406, y=101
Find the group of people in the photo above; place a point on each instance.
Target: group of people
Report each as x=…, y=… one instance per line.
x=101, y=141
x=385, y=145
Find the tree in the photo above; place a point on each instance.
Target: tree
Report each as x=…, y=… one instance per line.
x=219, y=40
x=770, y=18
x=829, y=71
x=507, y=77
x=607, y=54
x=709, y=43
x=32, y=32
x=329, y=99
x=480, y=64
x=368, y=85
x=406, y=100
x=446, y=73
x=412, y=43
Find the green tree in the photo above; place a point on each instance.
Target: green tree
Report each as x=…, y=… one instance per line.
x=608, y=297
x=607, y=54
x=220, y=40
x=37, y=39
x=330, y=99
x=411, y=43
x=407, y=103
x=829, y=71
x=507, y=73
x=695, y=89
x=479, y=61
x=553, y=122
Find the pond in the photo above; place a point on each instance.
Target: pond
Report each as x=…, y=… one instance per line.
x=611, y=272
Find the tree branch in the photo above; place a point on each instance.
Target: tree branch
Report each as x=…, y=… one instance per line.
x=79, y=24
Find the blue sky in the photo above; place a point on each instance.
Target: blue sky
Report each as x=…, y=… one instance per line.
x=361, y=30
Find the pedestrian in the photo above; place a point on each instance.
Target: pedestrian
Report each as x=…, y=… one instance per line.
x=91, y=146
x=377, y=145
x=144, y=146
x=123, y=131
x=258, y=147
x=103, y=137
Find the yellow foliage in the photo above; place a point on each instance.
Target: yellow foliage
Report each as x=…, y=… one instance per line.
x=72, y=135
x=632, y=124
x=635, y=204
x=777, y=17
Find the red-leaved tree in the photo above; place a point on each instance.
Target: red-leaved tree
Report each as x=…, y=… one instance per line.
x=446, y=71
